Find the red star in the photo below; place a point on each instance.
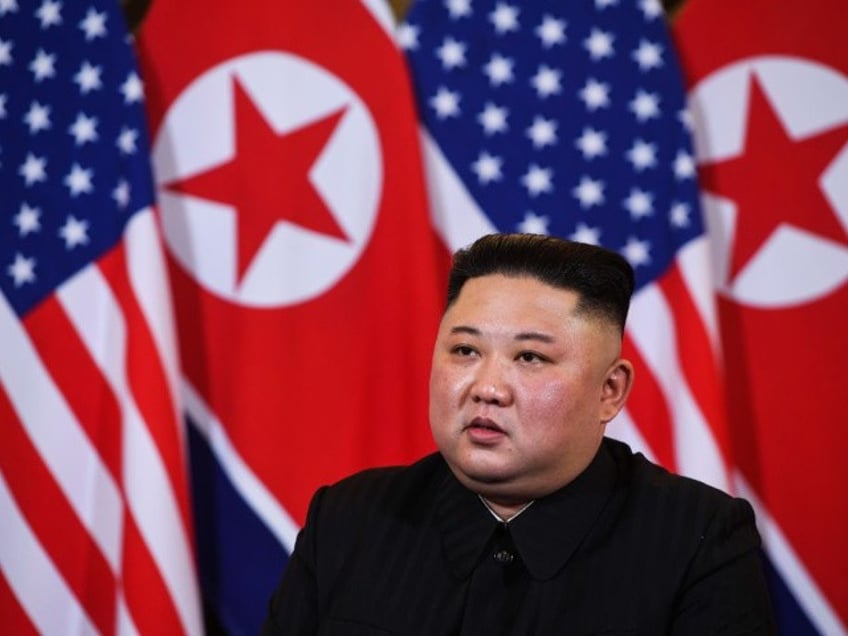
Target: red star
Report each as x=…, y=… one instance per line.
x=267, y=179
x=775, y=180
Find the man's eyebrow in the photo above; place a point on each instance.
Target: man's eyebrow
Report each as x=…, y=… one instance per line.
x=521, y=336
x=472, y=331
x=534, y=335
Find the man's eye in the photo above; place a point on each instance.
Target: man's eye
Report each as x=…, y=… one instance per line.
x=463, y=350
x=530, y=356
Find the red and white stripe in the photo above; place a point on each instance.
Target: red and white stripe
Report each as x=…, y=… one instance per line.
x=93, y=484
x=672, y=342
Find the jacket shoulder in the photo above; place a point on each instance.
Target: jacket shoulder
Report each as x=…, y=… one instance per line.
x=656, y=498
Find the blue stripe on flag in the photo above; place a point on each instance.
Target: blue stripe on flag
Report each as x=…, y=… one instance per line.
x=240, y=560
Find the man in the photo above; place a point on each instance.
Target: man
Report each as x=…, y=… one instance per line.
x=528, y=520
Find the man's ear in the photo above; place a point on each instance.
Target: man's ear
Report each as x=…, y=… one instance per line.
x=617, y=384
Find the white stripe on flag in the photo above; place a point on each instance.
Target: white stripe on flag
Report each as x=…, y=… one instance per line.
x=246, y=483
x=694, y=261
x=57, y=435
x=456, y=215
x=651, y=326
x=38, y=586
x=149, y=278
x=91, y=306
x=124, y=625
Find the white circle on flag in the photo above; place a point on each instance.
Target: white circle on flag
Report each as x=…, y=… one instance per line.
x=293, y=263
x=793, y=266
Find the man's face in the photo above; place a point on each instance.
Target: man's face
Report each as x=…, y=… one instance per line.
x=522, y=386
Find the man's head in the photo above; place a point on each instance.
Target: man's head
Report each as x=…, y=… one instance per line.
x=526, y=368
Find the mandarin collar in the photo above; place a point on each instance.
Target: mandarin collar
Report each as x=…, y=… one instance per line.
x=545, y=535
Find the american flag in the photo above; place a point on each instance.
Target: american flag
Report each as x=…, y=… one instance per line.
x=95, y=534
x=569, y=119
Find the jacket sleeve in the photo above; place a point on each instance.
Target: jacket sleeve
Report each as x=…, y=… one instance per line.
x=725, y=591
x=293, y=608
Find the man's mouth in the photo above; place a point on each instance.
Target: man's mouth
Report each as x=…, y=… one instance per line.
x=484, y=429
x=484, y=422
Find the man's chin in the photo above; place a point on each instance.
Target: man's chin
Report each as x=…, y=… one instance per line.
x=483, y=475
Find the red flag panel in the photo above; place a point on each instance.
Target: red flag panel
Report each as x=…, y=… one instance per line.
x=310, y=344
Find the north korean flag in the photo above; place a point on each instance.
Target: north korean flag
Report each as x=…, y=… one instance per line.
x=768, y=85
x=306, y=274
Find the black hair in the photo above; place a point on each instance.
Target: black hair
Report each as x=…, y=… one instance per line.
x=602, y=278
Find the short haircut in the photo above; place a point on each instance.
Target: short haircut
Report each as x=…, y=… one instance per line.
x=602, y=279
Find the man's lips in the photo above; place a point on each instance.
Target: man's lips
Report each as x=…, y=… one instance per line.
x=484, y=429
x=484, y=422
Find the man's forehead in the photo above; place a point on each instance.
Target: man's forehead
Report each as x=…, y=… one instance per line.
x=511, y=307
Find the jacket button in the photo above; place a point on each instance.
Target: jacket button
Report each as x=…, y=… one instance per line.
x=504, y=556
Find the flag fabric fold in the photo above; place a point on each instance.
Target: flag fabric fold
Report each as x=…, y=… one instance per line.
x=97, y=532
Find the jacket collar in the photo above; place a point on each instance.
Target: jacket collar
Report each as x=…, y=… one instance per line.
x=545, y=535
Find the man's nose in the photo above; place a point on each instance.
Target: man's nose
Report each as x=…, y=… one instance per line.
x=490, y=385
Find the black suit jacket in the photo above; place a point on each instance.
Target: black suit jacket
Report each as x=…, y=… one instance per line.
x=626, y=548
